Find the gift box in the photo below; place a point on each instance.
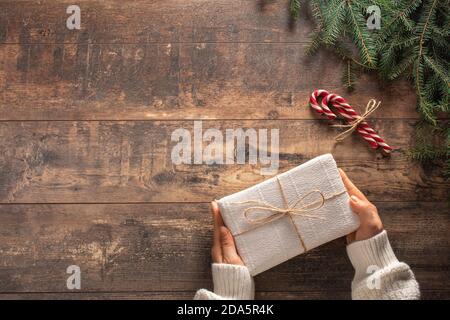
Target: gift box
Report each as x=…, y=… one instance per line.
x=289, y=214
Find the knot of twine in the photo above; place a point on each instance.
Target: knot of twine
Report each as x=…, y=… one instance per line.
x=288, y=210
x=371, y=106
x=278, y=212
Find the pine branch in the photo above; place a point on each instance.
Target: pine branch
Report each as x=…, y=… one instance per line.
x=335, y=14
x=424, y=106
x=400, y=67
x=345, y=54
x=438, y=69
x=426, y=109
x=294, y=8
x=413, y=43
x=403, y=43
x=348, y=77
x=315, y=43
x=364, y=41
x=316, y=36
x=432, y=144
x=403, y=14
x=317, y=13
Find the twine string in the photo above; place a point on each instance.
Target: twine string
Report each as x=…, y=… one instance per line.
x=278, y=212
x=371, y=106
x=288, y=210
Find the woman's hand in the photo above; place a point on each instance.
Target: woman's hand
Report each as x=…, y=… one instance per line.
x=223, y=249
x=368, y=215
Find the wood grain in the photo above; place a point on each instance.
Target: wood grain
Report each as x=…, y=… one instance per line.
x=176, y=60
x=80, y=295
x=140, y=248
x=85, y=171
x=179, y=81
x=61, y=162
x=141, y=21
x=187, y=295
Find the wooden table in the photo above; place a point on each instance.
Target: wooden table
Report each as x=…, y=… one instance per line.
x=86, y=176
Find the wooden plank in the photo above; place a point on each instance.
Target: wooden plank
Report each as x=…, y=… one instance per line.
x=426, y=294
x=80, y=295
x=73, y=162
x=115, y=21
x=163, y=248
x=182, y=295
x=175, y=295
x=179, y=60
x=179, y=81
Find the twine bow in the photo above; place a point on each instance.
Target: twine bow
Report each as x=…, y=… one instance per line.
x=371, y=106
x=288, y=210
x=281, y=212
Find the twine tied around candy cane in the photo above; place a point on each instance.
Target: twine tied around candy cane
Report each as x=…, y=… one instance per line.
x=288, y=210
x=372, y=105
x=355, y=121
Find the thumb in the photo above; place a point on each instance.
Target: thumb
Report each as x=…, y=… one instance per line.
x=358, y=206
x=229, y=252
x=226, y=239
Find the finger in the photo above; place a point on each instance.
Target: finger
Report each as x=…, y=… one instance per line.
x=216, y=254
x=218, y=222
x=226, y=240
x=216, y=250
x=360, y=207
x=351, y=188
x=351, y=237
x=228, y=247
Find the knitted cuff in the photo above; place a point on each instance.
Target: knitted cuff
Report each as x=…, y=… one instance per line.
x=369, y=255
x=232, y=281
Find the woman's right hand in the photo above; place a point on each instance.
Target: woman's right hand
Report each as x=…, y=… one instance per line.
x=371, y=224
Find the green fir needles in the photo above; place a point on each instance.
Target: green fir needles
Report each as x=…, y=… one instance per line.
x=412, y=41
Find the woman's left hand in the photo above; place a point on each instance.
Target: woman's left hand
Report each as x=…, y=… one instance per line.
x=223, y=249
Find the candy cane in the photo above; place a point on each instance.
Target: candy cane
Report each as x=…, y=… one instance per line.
x=350, y=115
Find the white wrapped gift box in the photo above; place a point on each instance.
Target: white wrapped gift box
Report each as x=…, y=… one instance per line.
x=289, y=214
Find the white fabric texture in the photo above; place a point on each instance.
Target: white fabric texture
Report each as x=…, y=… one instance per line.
x=396, y=278
x=231, y=282
x=375, y=262
x=263, y=246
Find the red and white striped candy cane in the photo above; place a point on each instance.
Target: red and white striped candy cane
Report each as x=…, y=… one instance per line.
x=350, y=115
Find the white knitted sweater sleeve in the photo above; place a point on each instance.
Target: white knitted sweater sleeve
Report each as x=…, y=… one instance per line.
x=378, y=273
x=231, y=282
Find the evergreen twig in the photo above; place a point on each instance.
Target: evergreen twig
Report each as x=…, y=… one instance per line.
x=413, y=42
